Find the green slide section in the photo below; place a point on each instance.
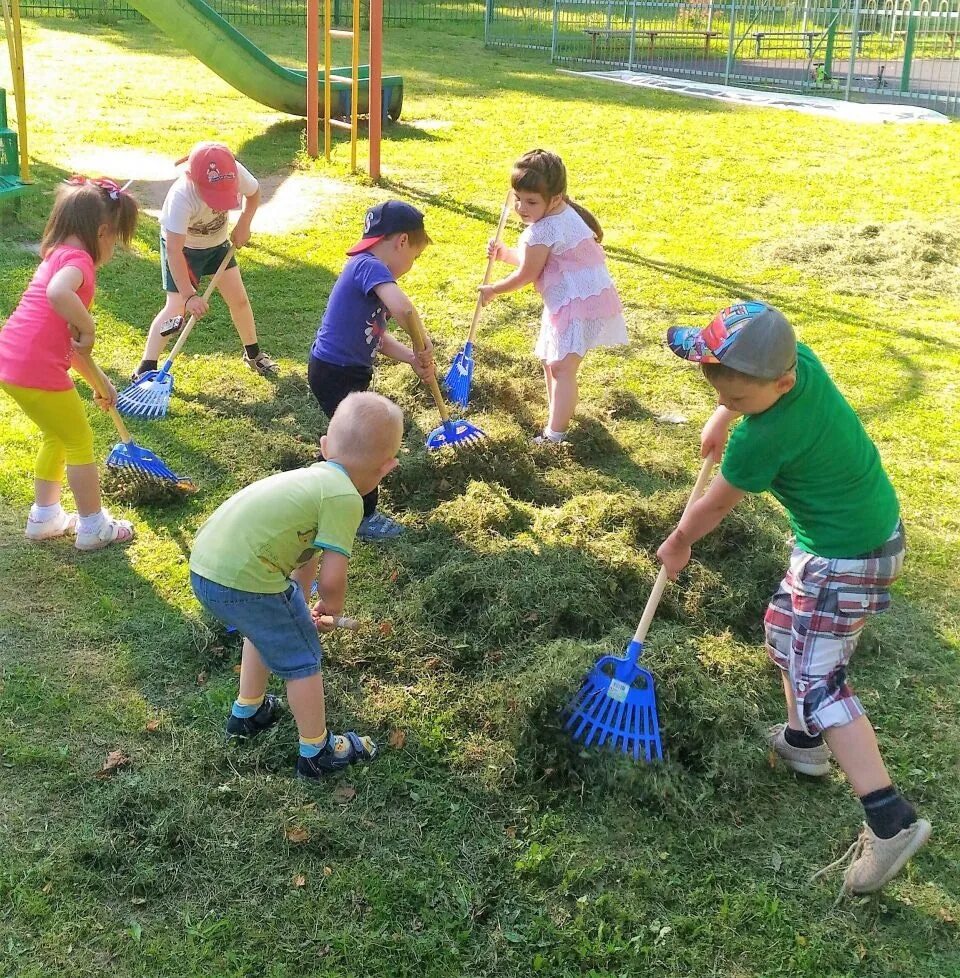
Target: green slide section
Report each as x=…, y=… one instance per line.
x=194, y=25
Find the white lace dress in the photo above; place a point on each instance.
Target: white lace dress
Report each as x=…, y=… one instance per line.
x=581, y=308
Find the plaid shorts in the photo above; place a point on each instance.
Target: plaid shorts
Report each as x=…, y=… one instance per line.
x=814, y=621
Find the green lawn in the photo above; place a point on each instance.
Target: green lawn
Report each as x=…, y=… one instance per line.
x=482, y=843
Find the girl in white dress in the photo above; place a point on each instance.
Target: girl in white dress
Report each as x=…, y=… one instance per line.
x=559, y=253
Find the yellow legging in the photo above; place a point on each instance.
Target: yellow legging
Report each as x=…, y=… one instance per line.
x=60, y=416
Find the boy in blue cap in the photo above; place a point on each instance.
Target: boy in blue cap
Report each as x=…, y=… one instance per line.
x=354, y=325
x=800, y=440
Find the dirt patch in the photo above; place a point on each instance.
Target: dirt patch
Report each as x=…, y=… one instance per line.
x=903, y=258
x=290, y=199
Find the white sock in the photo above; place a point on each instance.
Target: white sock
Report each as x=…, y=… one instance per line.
x=548, y=432
x=41, y=514
x=92, y=523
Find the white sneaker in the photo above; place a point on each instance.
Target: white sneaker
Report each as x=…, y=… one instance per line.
x=110, y=531
x=59, y=526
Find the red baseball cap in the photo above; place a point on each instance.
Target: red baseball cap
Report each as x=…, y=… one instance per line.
x=213, y=170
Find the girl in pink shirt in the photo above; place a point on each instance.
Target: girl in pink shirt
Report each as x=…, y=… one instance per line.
x=50, y=332
x=561, y=256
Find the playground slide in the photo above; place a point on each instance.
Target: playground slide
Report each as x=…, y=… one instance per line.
x=194, y=25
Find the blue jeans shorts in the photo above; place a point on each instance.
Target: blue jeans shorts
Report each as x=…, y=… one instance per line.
x=200, y=262
x=279, y=625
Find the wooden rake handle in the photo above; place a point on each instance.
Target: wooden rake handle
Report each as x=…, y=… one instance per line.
x=504, y=214
x=661, y=582
x=122, y=430
x=191, y=322
x=419, y=345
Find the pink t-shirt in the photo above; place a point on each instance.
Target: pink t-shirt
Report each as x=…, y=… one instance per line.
x=35, y=348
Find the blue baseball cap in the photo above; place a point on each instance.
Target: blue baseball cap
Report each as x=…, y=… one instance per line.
x=390, y=217
x=751, y=337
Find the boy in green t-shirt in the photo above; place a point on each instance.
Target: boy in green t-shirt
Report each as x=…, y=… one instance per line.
x=255, y=558
x=800, y=440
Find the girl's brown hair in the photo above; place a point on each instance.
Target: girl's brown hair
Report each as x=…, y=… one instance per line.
x=542, y=172
x=82, y=207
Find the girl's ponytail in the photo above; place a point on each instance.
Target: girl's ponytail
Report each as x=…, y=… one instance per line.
x=588, y=218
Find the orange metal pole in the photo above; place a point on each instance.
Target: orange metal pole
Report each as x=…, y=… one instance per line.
x=313, y=78
x=327, y=68
x=375, y=87
x=355, y=88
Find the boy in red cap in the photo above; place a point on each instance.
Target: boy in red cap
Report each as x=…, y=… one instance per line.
x=800, y=440
x=193, y=242
x=353, y=329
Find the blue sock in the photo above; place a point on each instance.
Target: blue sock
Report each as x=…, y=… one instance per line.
x=246, y=710
x=311, y=746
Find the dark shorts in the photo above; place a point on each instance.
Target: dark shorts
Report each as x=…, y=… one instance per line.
x=200, y=261
x=279, y=625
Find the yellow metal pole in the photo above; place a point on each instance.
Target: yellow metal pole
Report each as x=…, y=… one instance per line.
x=11, y=19
x=355, y=101
x=327, y=69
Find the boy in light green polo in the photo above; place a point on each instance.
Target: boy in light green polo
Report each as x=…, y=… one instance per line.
x=801, y=441
x=256, y=556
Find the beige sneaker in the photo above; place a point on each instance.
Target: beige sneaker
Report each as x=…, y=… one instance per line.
x=873, y=861
x=812, y=761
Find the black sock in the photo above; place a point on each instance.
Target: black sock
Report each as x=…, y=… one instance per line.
x=887, y=812
x=146, y=365
x=252, y=351
x=797, y=738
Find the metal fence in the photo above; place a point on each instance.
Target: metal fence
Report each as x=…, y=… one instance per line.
x=879, y=50
x=270, y=12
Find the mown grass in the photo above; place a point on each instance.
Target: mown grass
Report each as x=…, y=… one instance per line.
x=483, y=843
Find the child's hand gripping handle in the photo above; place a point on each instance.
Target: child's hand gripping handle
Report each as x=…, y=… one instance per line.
x=504, y=214
x=419, y=345
x=333, y=621
x=185, y=332
x=661, y=582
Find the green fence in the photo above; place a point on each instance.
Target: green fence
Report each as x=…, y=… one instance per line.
x=269, y=12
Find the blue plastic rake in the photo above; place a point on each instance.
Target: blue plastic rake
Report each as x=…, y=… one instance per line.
x=140, y=466
x=148, y=397
x=616, y=706
x=460, y=375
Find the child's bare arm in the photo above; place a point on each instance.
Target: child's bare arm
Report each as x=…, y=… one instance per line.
x=241, y=230
x=704, y=516
x=332, y=585
x=713, y=438
x=407, y=317
x=531, y=262
x=62, y=296
x=499, y=251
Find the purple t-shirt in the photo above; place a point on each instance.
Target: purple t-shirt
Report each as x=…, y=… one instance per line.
x=355, y=319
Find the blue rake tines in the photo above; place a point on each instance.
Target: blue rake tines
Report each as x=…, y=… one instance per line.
x=148, y=396
x=618, y=709
x=128, y=458
x=453, y=433
x=460, y=376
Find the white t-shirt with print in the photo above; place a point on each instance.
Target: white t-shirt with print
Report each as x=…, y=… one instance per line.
x=185, y=213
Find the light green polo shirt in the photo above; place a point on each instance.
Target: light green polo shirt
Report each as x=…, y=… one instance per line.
x=257, y=538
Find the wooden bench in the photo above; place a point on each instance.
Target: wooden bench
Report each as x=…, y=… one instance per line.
x=650, y=34
x=808, y=37
x=950, y=36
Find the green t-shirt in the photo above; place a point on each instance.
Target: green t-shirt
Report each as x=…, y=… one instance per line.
x=257, y=538
x=810, y=450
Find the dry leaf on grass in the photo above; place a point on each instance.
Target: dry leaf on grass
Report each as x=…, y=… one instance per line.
x=296, y=834
x=152, y=726
x=385, y=628
x=327, y=871
x=116, y=759
x=344, y=793
x=397, y=739
x=201, y=678
x=299, y=881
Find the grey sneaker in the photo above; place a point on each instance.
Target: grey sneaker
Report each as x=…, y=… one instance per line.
x=873, y=861
x=812, y=761
x=262, y=364
x=378, y=527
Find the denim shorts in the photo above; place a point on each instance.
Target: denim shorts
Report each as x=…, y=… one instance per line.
x=200, y=262
x=279, y=625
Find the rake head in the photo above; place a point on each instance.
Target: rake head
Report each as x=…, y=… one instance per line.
x=460, y=376
x=454, y=433
x=148, y=396
x=140, y=466
x=617, y=707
